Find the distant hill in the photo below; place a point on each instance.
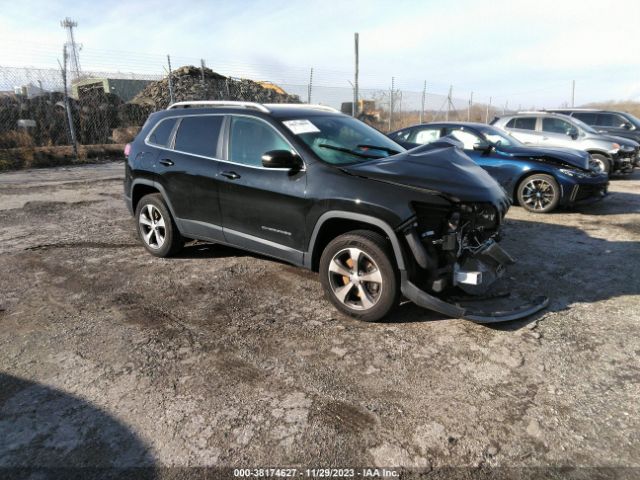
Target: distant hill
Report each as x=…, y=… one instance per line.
x=623, y=106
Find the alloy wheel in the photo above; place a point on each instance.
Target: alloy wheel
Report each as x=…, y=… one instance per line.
x=597, y=165
x=152, y=226
x=355, y=279
x=538, y=194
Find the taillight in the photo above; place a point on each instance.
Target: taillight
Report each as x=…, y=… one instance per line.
x=127, y=150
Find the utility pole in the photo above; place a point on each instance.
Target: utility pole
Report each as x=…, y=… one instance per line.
x=573, y=93
x=449, y=102
x=310, y=86
x=424, y=99
x=171, y=97
x=355, y=84
x=67, y=105
x=469, y=107
x=486, y=117
x=69, y=25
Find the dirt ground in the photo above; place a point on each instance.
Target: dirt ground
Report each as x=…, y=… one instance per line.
x=111, y=357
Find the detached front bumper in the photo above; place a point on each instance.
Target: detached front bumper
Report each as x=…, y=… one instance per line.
x=454, y=310
x=473, y=276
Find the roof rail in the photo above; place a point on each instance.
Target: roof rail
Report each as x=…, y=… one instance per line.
x=577, y=109
x=219, y=104
x=311, y=106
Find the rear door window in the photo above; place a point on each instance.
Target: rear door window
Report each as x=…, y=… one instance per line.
x=522, y=123
x=161, y=134
x=199, y=135
x=588, y=118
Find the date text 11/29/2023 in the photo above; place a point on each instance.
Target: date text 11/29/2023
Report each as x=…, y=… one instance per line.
x=315, y=473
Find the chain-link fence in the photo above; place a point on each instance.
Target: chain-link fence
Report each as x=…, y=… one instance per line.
x=98, y=112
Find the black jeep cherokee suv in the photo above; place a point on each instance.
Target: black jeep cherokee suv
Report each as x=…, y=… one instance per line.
x=316, y=188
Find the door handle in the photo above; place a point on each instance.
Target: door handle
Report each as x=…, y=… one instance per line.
x=230, y=175
x=166, y=162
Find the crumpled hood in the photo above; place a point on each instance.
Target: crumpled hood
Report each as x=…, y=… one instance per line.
x=439, y=166
x=570, y=156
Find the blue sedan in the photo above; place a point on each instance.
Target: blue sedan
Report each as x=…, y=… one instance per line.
x=537, y=178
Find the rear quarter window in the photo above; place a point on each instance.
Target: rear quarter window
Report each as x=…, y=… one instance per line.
x=199, y=135
x=523, y=123
x=161, y=132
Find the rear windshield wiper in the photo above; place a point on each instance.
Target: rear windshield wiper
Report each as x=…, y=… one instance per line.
x=376, y=147
x=349, y=151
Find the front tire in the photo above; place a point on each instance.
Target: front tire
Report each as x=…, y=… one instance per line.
x=156, y=227
x=358, y=275
x=539, y=193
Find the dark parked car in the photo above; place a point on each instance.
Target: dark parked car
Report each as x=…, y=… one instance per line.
x=538, y=178
x=620, y=124
x=324, y=191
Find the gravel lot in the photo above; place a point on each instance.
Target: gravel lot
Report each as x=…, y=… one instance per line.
x=111, y=357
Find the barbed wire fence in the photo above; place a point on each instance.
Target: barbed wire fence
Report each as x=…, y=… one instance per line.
x=42, y=111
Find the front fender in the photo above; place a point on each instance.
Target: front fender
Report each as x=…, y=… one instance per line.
x=357, y=217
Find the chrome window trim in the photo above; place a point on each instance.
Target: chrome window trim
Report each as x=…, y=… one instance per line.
x=177, y=125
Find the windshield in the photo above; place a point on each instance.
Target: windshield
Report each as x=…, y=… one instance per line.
x=499, y=138
x=342, y=140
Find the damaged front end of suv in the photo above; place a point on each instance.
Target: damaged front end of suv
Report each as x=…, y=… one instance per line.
x=453, y=245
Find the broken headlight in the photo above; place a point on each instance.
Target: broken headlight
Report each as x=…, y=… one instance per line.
x=484, y=217
x=573, y=173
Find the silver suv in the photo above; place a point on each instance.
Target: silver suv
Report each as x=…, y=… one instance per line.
x=609, y=154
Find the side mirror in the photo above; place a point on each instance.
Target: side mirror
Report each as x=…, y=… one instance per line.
x=482, y=147
x=573, y=133
x=626, y=126
x=281, y=159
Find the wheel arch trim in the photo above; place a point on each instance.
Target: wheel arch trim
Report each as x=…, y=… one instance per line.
x=358, y=217
x=158, y=187
x=596, y=151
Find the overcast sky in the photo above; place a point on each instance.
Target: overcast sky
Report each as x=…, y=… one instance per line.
x=524, y=52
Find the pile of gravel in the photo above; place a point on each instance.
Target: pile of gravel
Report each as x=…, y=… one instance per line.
x=188, y=84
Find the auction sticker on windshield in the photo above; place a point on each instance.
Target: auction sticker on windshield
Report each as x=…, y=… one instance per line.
x=301, y=126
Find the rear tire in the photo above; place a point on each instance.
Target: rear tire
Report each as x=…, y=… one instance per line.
x=539, y=193
x=358, y=275
x=601, y=163
x=156, y=227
